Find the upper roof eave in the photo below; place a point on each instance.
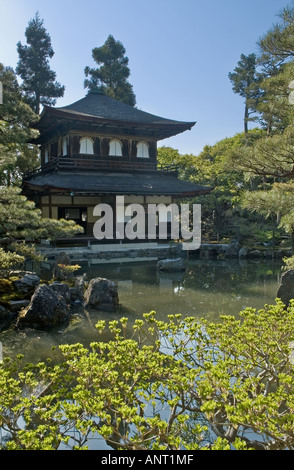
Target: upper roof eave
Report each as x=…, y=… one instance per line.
x=100, y=107
x=108, y=114
x=68, y=114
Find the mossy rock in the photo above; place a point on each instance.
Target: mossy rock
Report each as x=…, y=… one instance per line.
x=9, y=292
x=6, y=286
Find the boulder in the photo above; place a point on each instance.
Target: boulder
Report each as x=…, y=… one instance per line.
x=27, y=283
x=80, y=285
x=75, y=296
x=101, y=293
x=61, y=289
x=46, y=310
x=63, y=259
x=243, y=252
x=232, y=250
x=6, y=316
x=76, y=292
x=171, y=265
x=255, y=254
x=286, y=287
x=17, y=305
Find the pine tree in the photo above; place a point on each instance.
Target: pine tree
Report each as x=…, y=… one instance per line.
x=112, y=74
x=39, y=85
x=16, y=154
x=243, y=79
x=279, y=40
x=21, y=221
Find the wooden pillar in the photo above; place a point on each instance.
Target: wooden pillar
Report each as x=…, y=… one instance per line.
x=50, y=207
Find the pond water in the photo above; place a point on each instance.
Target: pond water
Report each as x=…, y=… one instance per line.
x=206, y=289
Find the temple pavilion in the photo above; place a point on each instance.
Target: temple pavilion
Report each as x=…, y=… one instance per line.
x=96, y=149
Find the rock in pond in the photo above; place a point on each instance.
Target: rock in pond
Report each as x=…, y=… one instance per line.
x=101, y=293
x=286, y=287
x=63, y=259
x=46, y=310
x=171, y=265
x=6, y=316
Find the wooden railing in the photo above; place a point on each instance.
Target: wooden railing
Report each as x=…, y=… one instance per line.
x=92, y=163
x=79, y=162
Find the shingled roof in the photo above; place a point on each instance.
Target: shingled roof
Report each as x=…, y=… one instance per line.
x=102, y=106
x=105, y=182
x=104, y=111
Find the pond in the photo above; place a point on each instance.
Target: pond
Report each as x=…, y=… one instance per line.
x=207, y=289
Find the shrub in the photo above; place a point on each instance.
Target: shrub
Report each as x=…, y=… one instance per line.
x=175, y=384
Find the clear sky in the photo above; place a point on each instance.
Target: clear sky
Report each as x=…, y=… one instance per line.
x=180, y=53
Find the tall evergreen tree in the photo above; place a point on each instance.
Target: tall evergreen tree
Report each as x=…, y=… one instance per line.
x=273, y=104
x=277, y=46
x=243, y=79
x=111, y=77
x=39, y=81
x=271, y=156
x=16, y=154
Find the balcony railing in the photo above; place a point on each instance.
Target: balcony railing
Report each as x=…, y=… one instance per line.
x=78, y=163
x=92, y=163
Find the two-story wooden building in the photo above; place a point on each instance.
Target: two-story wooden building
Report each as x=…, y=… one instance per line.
x=98, y=148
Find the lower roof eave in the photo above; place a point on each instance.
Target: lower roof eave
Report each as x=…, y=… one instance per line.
x=53, y=189
x=59, y=189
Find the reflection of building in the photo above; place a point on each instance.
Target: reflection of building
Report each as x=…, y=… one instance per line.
x=98, y=148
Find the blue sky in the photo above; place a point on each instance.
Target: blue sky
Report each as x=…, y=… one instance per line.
x=180, y=53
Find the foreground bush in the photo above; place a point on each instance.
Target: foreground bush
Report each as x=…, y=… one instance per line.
x=174, y=384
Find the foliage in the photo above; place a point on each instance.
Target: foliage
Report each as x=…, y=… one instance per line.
x=275, y=204
x=172, y=384
x=111, y=77
x=8, y=262
x=250, y=174
x=16, y=117
x=19, y=219
x=65, y=272
x=278, y=200
x=184, y=164
x=221, y=212
x=22, y=225
x=273, y=105
x=244, y=78
x=69, y=268
x=271, y=156
x=39, y=81
x=288, y=263
x=279, y=40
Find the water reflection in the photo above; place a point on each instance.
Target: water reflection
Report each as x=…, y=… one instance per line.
x=207, y=289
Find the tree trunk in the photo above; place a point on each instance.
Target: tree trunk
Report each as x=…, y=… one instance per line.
x=37, y=106
x=246, y=115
